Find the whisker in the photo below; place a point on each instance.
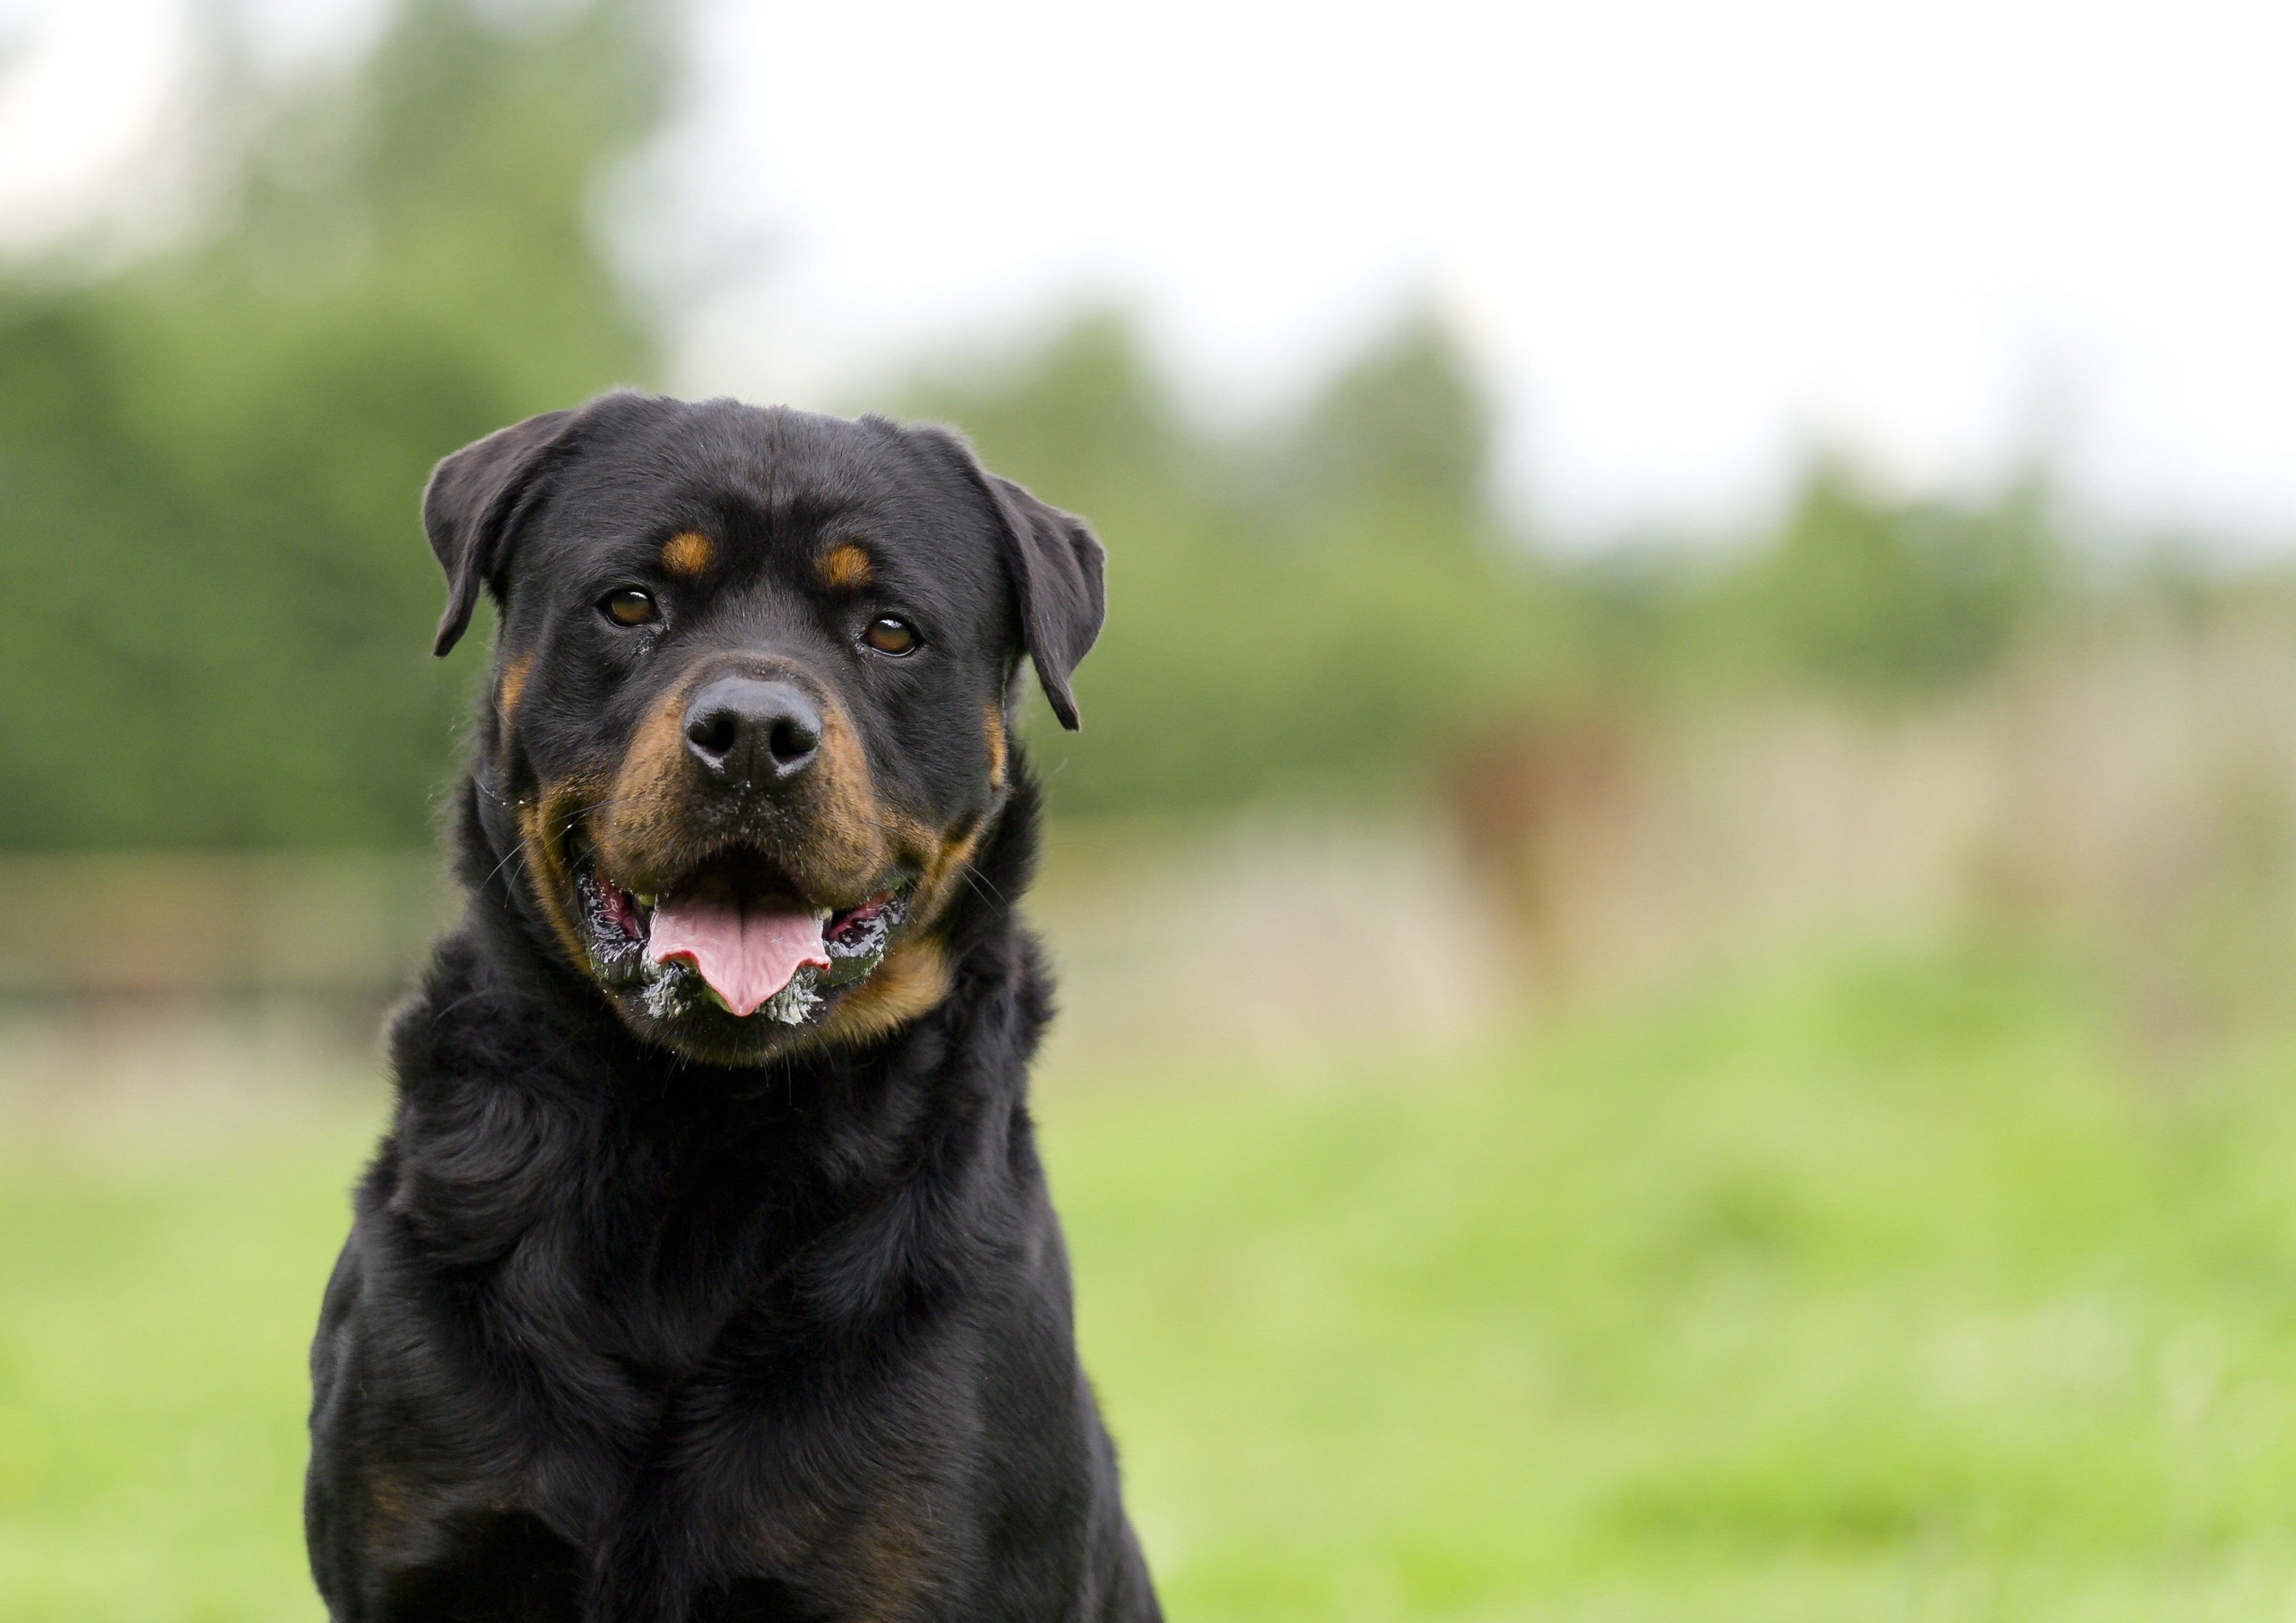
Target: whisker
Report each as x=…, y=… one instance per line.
x=517, y=853
x=974, y=877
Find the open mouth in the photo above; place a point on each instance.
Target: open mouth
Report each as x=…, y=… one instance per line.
x=734, y=931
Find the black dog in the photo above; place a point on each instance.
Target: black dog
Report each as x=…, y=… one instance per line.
x=707, y=1270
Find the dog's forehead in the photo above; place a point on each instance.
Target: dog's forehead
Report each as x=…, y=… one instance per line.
x=778, y=476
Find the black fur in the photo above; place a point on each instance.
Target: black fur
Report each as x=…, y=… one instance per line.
x=622, y=1336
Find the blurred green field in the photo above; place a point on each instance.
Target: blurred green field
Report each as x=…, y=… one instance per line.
x=1897, y=1290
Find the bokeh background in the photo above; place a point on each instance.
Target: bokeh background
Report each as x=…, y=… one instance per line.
x=1675, y=907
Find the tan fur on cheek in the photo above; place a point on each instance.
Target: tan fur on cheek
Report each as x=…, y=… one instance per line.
x=851, y=827
x=943, y=870
x=915, y=977
x=512, y=686
x=687, y=553
x=996, y=731
x=845, y=568
x=542, y=824
x=637, y=837
x=507, y=693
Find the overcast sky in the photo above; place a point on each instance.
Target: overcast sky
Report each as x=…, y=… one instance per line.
x=1687, y=240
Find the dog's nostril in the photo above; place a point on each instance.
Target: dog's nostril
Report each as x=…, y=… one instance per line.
x=792, y=740
x=714, y=732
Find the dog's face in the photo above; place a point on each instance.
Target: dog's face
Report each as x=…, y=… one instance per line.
x=752, y=699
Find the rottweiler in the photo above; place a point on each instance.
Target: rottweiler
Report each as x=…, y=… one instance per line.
x=707, y=1269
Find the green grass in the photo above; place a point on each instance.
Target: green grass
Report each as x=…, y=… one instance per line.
x=1894, y=1291
x=155, y=1300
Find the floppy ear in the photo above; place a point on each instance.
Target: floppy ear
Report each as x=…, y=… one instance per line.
x=1056, y=566
x=470, y=506
x=1058, y=569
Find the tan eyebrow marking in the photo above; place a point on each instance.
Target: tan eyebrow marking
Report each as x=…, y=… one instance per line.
x=687, y=553
x=845, y=568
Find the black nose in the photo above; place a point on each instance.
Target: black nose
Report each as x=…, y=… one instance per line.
x=751, y=733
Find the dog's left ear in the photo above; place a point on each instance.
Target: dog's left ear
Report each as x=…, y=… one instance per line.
x=1058, y=568
x=470, y=506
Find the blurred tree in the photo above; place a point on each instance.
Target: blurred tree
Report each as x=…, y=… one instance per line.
x=1400, y=439
x=1086, y=413
x=1328, y=607
x=208, y=462
x=1893, y=598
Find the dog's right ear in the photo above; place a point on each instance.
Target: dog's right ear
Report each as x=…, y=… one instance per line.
x=472, y=505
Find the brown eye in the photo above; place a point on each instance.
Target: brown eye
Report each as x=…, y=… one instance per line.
x=628, y=607
x=890, y=635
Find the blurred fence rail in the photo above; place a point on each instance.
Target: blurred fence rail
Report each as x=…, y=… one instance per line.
x=176, y=926
x=1267, y=932
x=1254, y=932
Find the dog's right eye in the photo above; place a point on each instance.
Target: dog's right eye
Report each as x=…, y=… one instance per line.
x=628, y=607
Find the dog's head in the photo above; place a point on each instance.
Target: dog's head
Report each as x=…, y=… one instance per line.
x=753, y=699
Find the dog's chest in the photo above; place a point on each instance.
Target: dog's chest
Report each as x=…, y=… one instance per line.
x=799, y=1478
x=697, y=1358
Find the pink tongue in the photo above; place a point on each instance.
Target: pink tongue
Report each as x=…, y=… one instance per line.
x=745, y=956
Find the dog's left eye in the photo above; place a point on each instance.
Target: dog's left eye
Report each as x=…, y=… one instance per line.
x=628, y=607
x=890, y=633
